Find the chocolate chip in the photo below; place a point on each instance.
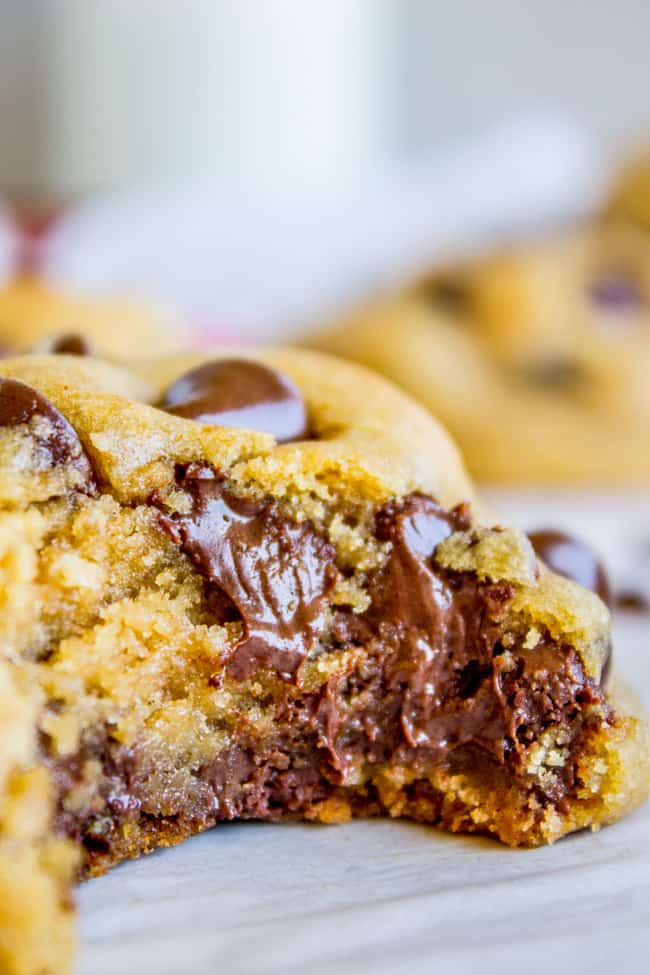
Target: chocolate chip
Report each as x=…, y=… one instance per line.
x=553, y=373
x=239, y=393
x=450, y=291
x=57, y=440
x=72, y=343
x=634, y=600
x=274, y=573
x=573, y=558
x=616, y=292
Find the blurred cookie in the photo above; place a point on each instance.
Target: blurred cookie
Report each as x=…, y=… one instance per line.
x=537, y=358
x=36, y=318
x=629, y=197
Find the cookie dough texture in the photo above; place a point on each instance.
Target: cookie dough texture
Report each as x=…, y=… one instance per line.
x=156, y=678
x=34, y=316
x=535, y=358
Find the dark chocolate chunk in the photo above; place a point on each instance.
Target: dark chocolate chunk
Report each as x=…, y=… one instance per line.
x=269, y=781
x=274, y=574
x=617, y=292
x=407, y=590
x=240, y=393
x=436, y=642
x=57, y=440
x=571, y=557
x=72, y=343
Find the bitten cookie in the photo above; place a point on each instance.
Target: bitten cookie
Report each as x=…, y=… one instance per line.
x=536, y=358
x=36, y=318
x=263, y=588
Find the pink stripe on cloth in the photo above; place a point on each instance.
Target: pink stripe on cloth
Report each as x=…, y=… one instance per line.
x=30, y=226
x=208, y=333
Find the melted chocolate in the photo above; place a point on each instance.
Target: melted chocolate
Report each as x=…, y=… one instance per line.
x=443, y=634
x=58, y=441
x=117, y=801
x=571, y=557
x=280, y=778
x=275, y=574
x=407, y=590
x=434, y=686
x=72, y=343
x=437, y=634
x=240, y=393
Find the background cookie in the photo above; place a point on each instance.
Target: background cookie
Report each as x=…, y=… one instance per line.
x=536, y=358
x=629, y=197
x=35, y=317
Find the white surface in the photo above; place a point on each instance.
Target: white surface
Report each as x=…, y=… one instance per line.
x=267, y=266
x=110, y=92
x=386, y=897
x=232, y=265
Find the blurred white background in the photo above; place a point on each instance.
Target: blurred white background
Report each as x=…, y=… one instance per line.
x=119, y=93
x=261, y=164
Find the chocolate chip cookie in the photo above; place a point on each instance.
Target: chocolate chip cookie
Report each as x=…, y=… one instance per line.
x=37, y=318
x=536, y=358
x=264, y=588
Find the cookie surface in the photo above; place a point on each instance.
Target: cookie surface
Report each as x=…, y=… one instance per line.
x=36, y=318
x=535, y=359
x=213, y=624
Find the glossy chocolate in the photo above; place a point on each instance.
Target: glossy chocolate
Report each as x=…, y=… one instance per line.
x=59, y=444
x=571, y=557
x=273, y=574
x=444, y=630
x=240, y=393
